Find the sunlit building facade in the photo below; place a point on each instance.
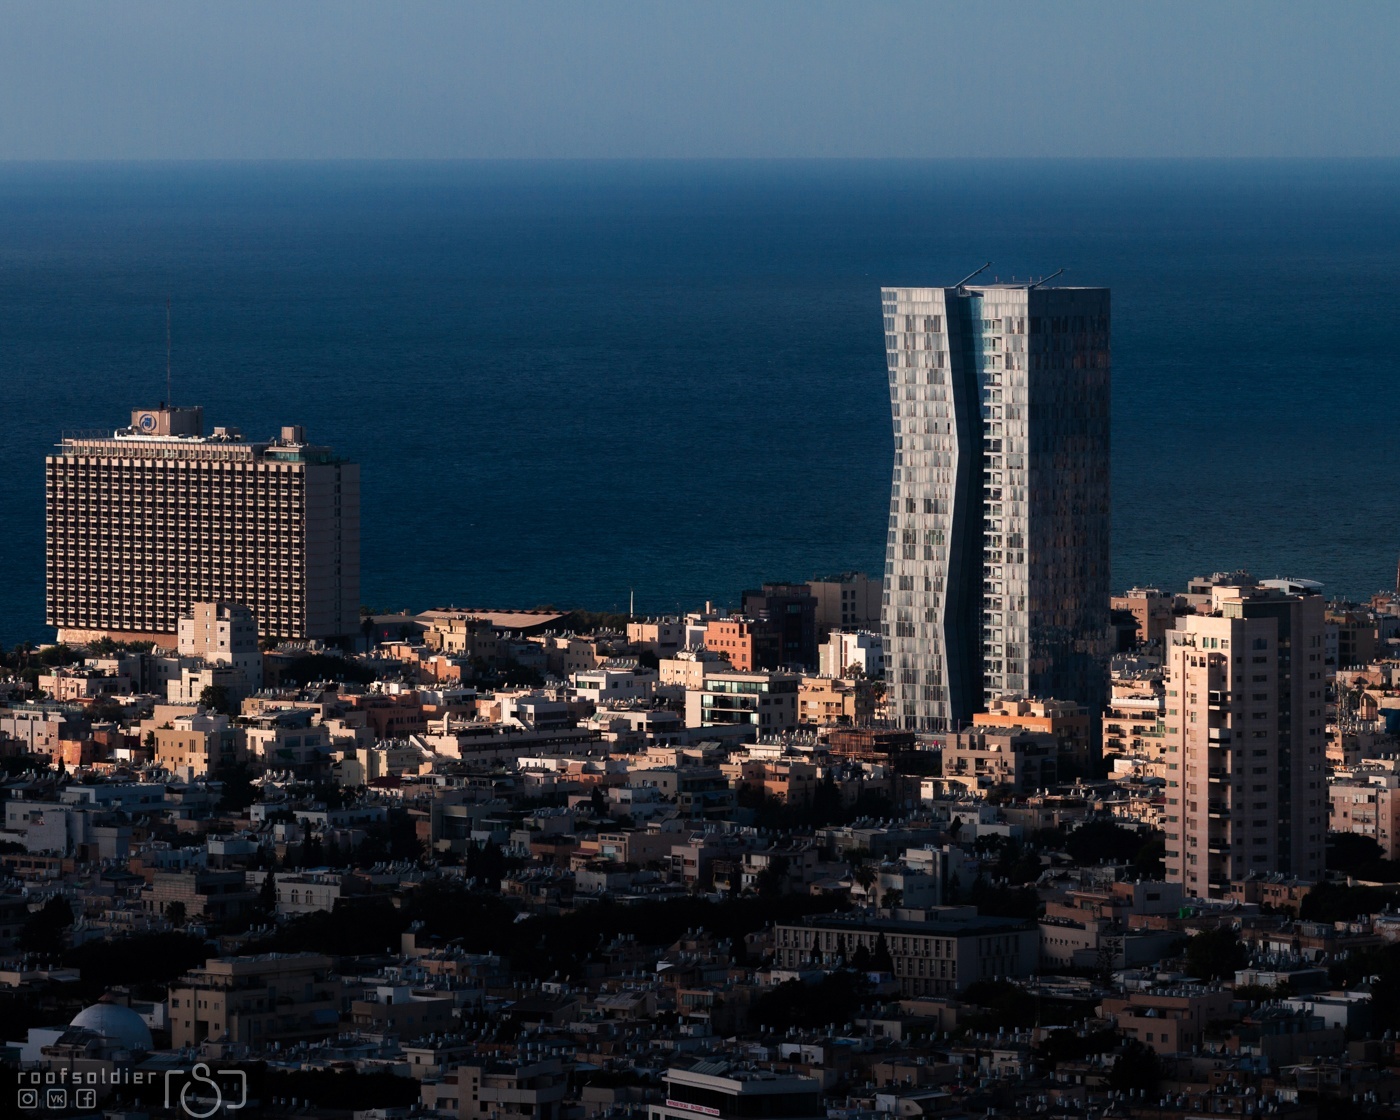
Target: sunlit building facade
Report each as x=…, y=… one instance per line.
x=146, y=521
x=1246, y=715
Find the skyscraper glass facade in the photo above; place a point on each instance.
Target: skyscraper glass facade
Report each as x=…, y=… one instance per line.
x=997, y=559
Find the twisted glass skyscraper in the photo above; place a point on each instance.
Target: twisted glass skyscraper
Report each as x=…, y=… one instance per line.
x=997, y=563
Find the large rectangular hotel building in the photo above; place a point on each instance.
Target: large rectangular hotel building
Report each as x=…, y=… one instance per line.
x=144, y=521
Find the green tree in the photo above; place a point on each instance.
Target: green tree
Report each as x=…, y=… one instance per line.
x=796, y=1004
x=43, y=930
x=826, y=801
x=1136, y=1068
x=313, y=851
x=1215, y=954
x=1336, y=902
x=880, y=959
x=238, y=791
x=175, y=913
x=1348, y=852
x=772, y=880
x=143, y=958
x=1004, y=902
x=1003, y=1004
x=1073, y=1046
x=1096, y=841
x=215, y=698
x=1150, y=861
x=60, y=654
x=267, y=893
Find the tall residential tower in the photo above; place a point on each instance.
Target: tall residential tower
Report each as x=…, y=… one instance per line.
x=997, y=563
x=146, y=521
x=1246, y=715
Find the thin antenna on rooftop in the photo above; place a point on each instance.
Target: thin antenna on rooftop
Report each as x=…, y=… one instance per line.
x=970, y=275
x=168, y=402
x=1047, y=279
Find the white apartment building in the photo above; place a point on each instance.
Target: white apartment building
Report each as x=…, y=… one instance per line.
x=606, y=684
x=847, y=650
x=766, y=701
x=222, y=634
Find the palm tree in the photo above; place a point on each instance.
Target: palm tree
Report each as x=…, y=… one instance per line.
x=864, y=874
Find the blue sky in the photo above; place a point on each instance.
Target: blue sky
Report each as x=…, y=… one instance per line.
x=150, y=79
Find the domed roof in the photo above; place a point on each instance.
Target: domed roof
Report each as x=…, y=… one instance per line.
x=120, y=1025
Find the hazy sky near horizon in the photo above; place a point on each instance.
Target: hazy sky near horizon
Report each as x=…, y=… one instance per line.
x=278, y=79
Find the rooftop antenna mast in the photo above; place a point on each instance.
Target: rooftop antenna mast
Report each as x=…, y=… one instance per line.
x=1047, y=279
x=970, y=275
x=168, y=402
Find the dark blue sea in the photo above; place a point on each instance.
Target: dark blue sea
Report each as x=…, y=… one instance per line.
x=569, y=380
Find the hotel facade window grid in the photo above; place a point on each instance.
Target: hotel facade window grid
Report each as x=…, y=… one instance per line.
x=997, y=558
x=145, y=521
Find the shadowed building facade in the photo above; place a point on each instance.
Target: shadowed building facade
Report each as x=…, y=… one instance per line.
x=997, y=559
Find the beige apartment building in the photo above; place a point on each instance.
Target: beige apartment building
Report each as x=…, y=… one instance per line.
x=950, y=948
x=1065, y=720
x=1366, y=801
x=1132, y=726
x=983, y=758
x=663, y=636
x=1167, y=1022
x=833, y=701
x=849, y=601
x=1152, y=610
x=766, y=701
x=222, y=634
x=690, y=667
x=256, y=1000
x=145, y=521
x=464, y=635
x=1245, y=712
x=202, y=741
x=501, y=1090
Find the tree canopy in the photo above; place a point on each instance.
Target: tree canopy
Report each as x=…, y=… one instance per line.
x=1215, y=954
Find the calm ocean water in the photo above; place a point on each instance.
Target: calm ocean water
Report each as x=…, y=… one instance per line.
x=567, y=380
